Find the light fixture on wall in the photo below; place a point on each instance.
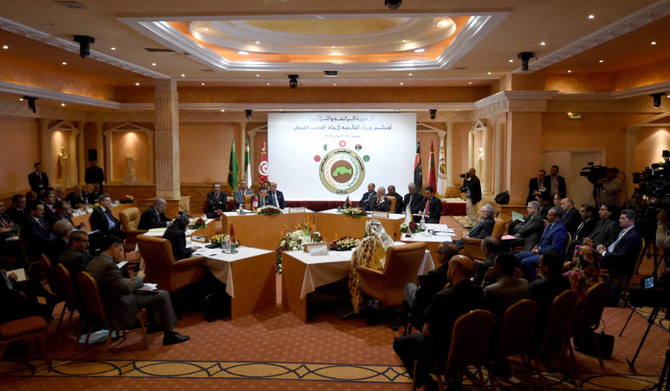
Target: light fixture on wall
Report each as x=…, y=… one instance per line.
x=249, y=113
x=31, y=103
x=293, y=81
x=392, y=4
x=657, y=98
x=525, y=57
x=433, y=113
x=85, y=42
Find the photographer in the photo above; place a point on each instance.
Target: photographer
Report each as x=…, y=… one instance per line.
x=611, y=188
x=473, y=194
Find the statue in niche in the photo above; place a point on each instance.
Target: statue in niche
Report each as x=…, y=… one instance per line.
x=63, y=160
x=129, y=178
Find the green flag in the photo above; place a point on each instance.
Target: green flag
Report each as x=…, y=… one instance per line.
x=232, y=170
x=247, y=165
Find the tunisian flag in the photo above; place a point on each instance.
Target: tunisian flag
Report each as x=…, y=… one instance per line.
x=431, y=168
x=263, y=165
x=418, y=175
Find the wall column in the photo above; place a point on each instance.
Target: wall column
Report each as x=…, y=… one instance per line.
x=485, y=175
x=45, y=150
x=100, y=147
x=524, y=132
x=167, y=145
x=449, y=151
x=631, y=138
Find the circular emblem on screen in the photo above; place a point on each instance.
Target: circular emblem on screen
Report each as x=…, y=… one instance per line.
x=342, y=171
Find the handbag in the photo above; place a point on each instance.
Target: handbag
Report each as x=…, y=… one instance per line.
x=585, y=344
x=502, y=198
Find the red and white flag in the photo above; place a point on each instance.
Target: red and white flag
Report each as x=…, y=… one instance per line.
x=263, y=165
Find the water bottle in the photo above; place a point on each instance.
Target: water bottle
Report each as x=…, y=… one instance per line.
x=422, y=223
x=228, y=244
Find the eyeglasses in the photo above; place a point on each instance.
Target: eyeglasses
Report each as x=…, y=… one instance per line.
x=82, y=240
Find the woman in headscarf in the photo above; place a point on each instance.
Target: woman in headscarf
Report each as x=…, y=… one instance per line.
x=371, y=253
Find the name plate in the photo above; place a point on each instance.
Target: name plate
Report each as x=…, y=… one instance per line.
x=316, y=248
x=200, y=238
x=379, y=213
x=297, y=209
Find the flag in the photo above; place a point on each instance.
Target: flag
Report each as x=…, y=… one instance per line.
x=263, y=165
x=431, y=168
x=232, y=169
x=441, y=171
x=232, y=232
x=247, y=165
x=347, y=203
x=418, y=176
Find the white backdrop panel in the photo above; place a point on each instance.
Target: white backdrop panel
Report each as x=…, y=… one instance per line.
x=301, y=145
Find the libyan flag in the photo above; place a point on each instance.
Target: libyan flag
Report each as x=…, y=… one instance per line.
x=431, y=168
x=418, y=176
x=232, y=168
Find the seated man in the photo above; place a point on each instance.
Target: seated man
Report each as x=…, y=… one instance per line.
x=77, y=198
x=508, y=289
x=527, y=231
x=64, y=213
x=176, y=235
x=93, y=192
x=570, y=217
x=49, y=201
x=379, y=202
x=261, y=199
x=276, y=196
x=366, y=196
x=588, y=223
x=399, y=207
x=8, y=229
x=120, y=296
x=555, y=237
x=483, y=228
x=416, y=299
x=154, y=216
x=239, y=194
x=546, y=203
x=103, y=221
x=620, y=257
x=413, y=199
x=606, y=230
x=551, y=283
x=37, y=235
x=17, y=211
x=430, y=347
x=63, y=231
x=431, y=207
x=216, y=201
x=491, y=248
x=76, y=258
x=19, y=299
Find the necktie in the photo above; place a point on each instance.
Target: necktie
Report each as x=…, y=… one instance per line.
x=425, y=212
x=44, y=227
x=274, y=199
x=3, y=223
x=613, y=245
x=545, y=232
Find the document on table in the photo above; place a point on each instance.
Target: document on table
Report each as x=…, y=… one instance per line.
x=20, y=274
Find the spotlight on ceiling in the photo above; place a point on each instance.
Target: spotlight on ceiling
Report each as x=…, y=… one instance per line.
x=525, y=57
x=392, y=4
x=293, y=81
x=249, y=113
x=433, y=113
x=657, y=98
x=85, y=42
x=31, y=102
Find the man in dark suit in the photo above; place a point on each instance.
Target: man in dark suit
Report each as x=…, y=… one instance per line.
x=606, y=230
x=37, y=235
x=483, y=228
x=17, y=211
x=276, y=197
x=538, y=185
x=38, y=180
x=260, y=199
x=103, y=221
x=121, y=298
x=76, y=258
x=77, y=198
x=413, y=199
x=431, y=207
x=473, y=194
x=399, y=207
x=8, y=229
x=586, y=226
x=93, y=192
x=555, y=237
x=364, y=200
x=570, y=216
x=216, y=202
x=620, y=257
x=49, y=201
x=416, y=299
x=64, y=212
x=176, y=235
x=154, y=216
x=430, y=348
x=550, y=284
x=556, y=182
x=527, y=231
x=379, y=201
x=62, y=231
x=508, y=289
x=241, y=191
x=94, y=174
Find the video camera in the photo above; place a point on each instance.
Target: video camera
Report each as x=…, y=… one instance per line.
x=653, y=293
x=593, y=172
x=654, y=181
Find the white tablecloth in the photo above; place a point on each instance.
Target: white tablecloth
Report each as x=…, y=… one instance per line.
x=433, y=233
x=392, y=216
x=219, y=263
x=252, y=213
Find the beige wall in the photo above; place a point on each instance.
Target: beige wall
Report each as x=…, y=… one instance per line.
x=649, y=145
x=20, y=136
x=204, y=150
x=130, y=143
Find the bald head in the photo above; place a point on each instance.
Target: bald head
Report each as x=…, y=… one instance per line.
x=460, y=268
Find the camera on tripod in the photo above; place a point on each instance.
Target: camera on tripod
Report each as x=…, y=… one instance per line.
x=593, y=172
x=654, y=181
x=653, y=293
x=464, y=188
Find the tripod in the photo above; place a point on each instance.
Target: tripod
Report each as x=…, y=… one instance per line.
x=650, y=322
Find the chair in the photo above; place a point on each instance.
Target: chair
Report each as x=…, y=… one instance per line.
x=402, y=266
x=31, y=262
x=393, y=201
x=557, y=333
x=624, y=284
x=517, y=332
x=469, y=343
x=95, y=310
x=68, y=292
x=24, y=328
x=591, y=311
x=50, y=273
x=161, y=267
x=130, y=218
x=247, y=201
x=472, y=247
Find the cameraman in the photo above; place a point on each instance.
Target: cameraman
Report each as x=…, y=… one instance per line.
x=611, y=188
x=473, y=194
x=662, y=237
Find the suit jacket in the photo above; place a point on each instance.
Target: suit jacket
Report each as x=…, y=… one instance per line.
x=621, y=261
x=434, y=210
x=215, y=202
x=98, y=221
x=530, y=230
x=55, y=249
x=605, y=232
x=483, y=228
x=75, y=200
x=93, y=197
x=36, y=184
x=280, y=199
x=17, y=216
x=75, y=261
x=364, y=200
x=434, y=282
x=117, y=293
x=555, y=237
x=562, y=189
x=37, y=237
x=502, y=294
x=533, y=185
x=415, y=202
x=543, y=291
x=261, y=202
x=10, y=224
x=152, y=219
x=49, y=215
x=56, y=217
x=571, y=220
x=239, y=195
x=177, y=238
x=475, y=189
x=384, y=206
x=94, y=174
x=585, y=228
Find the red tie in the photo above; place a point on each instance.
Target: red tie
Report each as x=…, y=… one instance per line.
x=3, y=223
x=425, y=212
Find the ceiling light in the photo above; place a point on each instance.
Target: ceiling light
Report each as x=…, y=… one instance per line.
x=267, y=84
x=62, y=104
x=223, y=110
x=137, y=83
x=113, y=48
x=569, y=70
x=243, y=52
x=332, y=47
x=402, y=84
x=258, y=42
x=20, y=99
x=443, y=23
x=206, y=29
x=469, y=82
x=601, y=61
x=64, y=63
x=153, y=64
x=257, y=75
x=592, y=16
x=511, y=60
x=202, y=84
x=409, y=74
x=433, y=113
x=334, y=84
x=653, y=42
x=489, y=73
x=293, y=81
x=5, y=47
x=656, y=98
x=543, y=43
x=404, y=40
x=419, y=50
x=183, y=75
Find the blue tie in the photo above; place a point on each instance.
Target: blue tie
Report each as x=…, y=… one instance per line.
x=611, y=247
